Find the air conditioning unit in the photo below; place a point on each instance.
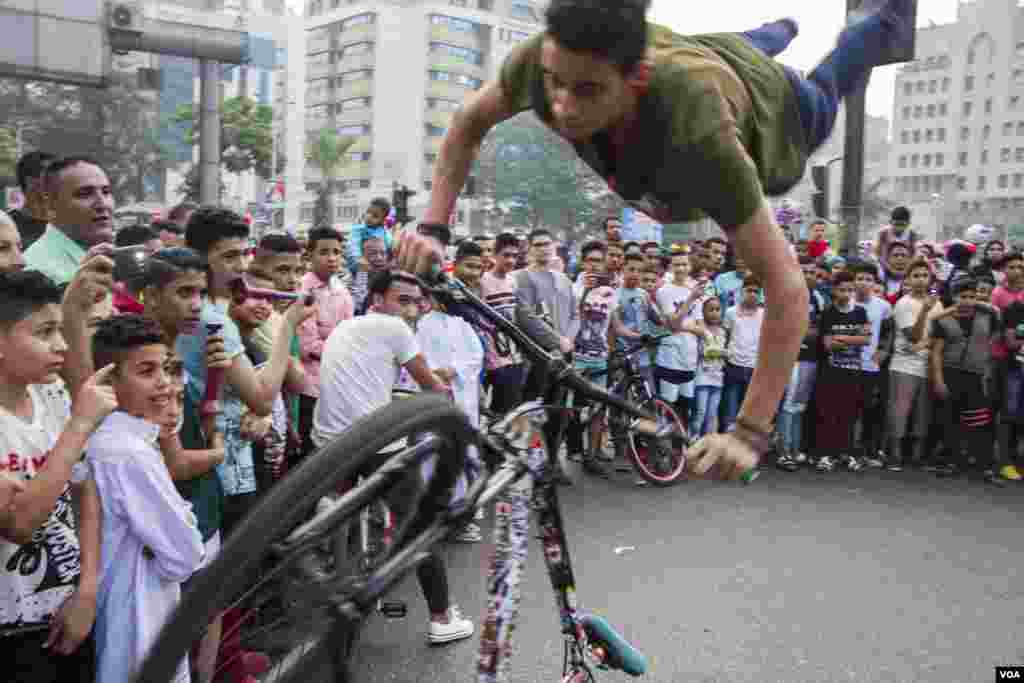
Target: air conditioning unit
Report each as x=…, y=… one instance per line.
x=126, y=15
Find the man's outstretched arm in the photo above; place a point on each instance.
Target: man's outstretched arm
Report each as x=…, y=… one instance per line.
x=761, y=245
x=468, y=129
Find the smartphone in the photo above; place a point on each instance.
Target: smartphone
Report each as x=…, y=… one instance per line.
x=602, y=280
x=129, y=262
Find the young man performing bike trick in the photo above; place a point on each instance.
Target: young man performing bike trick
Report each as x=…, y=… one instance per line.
x=679, y=125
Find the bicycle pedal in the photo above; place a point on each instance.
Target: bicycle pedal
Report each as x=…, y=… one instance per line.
x=393, y=609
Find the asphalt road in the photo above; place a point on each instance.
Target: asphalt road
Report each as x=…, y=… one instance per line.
x=802, y=577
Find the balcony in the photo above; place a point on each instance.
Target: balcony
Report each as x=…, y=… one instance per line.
x=438, y=118
x=356, y=170
x=354, y=116
x=454, y=64
x=318, y=71
x=447, y=90
x=358, y=32
x=462, y=38
x=356, y=62
x=361, y=88
x=317, y=45
x=320, y=96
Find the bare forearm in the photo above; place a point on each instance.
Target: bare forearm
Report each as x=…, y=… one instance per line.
x=455, y=158
x=90, y=516
x=78, y=365
x=184, y=465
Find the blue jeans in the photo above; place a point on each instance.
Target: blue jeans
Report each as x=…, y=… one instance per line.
x=737, y=381
x=705, y=409
x=846, y=67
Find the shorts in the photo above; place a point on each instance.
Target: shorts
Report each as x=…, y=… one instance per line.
x=674, y=384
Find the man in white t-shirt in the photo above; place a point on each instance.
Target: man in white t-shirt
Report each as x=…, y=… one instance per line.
x=359, y=367
x=908, y=370
x=873, y=357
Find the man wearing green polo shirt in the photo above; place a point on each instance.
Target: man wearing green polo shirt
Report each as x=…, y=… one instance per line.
x=679, y=126
x=83, y=217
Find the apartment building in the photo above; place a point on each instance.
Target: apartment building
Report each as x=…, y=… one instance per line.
x=391, y=74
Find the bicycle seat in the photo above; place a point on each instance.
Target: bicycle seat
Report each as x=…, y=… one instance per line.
x=621, y=655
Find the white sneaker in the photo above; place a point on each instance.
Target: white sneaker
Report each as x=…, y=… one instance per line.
x=457, y=628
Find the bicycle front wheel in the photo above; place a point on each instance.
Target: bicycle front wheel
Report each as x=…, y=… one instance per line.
x=298, y=596
x=660, y=461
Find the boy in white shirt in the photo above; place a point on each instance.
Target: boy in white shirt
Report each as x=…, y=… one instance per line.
x=49, y=563
x=151, y=539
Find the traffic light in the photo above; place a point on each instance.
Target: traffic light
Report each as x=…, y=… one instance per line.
x=400, y=201
x=900, y=47
x=819, y=200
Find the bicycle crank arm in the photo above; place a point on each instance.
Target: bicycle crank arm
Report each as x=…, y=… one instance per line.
x=617, y=652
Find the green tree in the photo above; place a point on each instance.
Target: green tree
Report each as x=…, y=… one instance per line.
x=537, y=177
x=8, y=153
x=190, y=185
x=329, y=153
x=246, y=133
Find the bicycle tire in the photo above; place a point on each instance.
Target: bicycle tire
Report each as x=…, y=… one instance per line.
x=674, y=456
x=277, y=514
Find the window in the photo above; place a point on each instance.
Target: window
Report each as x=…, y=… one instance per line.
x=990, y=80
x=981, y=182
x=1018, y=75
x=905, y=137
x=931, y=111
x=988, y=106
x=916, y=184
x=356, y=49
x=1004, y=155
x=965, y=206
x=459, y=79
x=354, y=130
x=984, y=156
x=316, y=7
x=977, y=206
x=906, y=113
x=903, y=161
x=1020, y=128
x=920, y=87
x=961, y=183
x=1020, y=50
x=318, y=113
x=463, y=54
x=943, y=109
x=941, y=134
x=453, y=24
x=968, y=107
x=485, y=5
x=1003, y=182
x=986, y=132
x=917, y=136
x=352, y=76
x=359, y=156
x=932, y=86
x=354, y=103
x=918, y=110
x=1014, y=102
x=306, y=213
x=523, y=10
x=435, y=131
x=971, y=56
x=348, y=212
x=928, y=135
x=926, y=183
x=1008, y=128
x=359, y=20
x=458, y=3
x=965, y=133
x=946, y=82
x=926, y=160
x=509, y=36
x=427, y=185
x=442, y=104
x=430, y=157
x=1018, y=155
x=908, y=89
x=321, y=33
x=968, y=83
x=913, y=161
x=1018, y=179
x=940, y=159
x=963, y=158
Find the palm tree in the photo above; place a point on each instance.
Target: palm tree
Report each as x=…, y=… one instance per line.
x=329, y=153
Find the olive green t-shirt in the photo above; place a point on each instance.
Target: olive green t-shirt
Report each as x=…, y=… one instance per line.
x=717, y=129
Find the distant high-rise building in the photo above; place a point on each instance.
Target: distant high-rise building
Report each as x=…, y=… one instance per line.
x=391, y=75
x=958, y=133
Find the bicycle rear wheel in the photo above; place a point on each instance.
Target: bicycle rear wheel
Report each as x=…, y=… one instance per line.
x=659, y=460
x=309, y=612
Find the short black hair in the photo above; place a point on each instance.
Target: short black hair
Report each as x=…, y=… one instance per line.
x=485, y=237
x=168, y=226
x=1011, y=256
x=58, y=166
x=504, y=241
x=613, y=29
x=181, y=210
x=322, y=233
x=279, y=243
x=167, y=265
x=22, y=293
x=751, y=281
x=135, y=234
x=864, y=267
x=894, y=245
x=381, y=203
x=381, y=282
x=900, y=214
x=649, y=244
x=634, y=257
x=842, y=277
x=806, y=261
x=593, y=245
x=716, y=240
x=467, y=249
x=211, y=224
x=121, y=333
x=964, y=284
x=632, y=245
x=539, y=232
x=32, y=166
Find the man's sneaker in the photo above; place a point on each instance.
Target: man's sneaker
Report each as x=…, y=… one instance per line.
x=894, y=466
x=469, y=534
x=575, y=457
x=875, y=463
x=944, y=471
x=989, y=477
x=825, y=464
x=853, y=464
x=801, y=459
x=1009, y=473
x=592, y=466
x=457, y=628
x=787, y=462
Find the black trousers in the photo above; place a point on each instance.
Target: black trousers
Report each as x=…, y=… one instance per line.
x=968, y=421
x=25, y=660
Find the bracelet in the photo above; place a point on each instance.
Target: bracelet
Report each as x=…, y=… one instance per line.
x=439, y=231
x=758, y=440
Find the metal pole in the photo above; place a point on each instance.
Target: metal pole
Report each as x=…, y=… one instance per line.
x=209, y=132
x=853, y=168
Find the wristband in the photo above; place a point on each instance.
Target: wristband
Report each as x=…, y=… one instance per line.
x=439, y=231
x=759, y=441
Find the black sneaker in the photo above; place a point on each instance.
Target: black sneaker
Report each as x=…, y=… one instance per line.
x=592, y=466
x=946, y=471
x=787, y=462
x=894, y=466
